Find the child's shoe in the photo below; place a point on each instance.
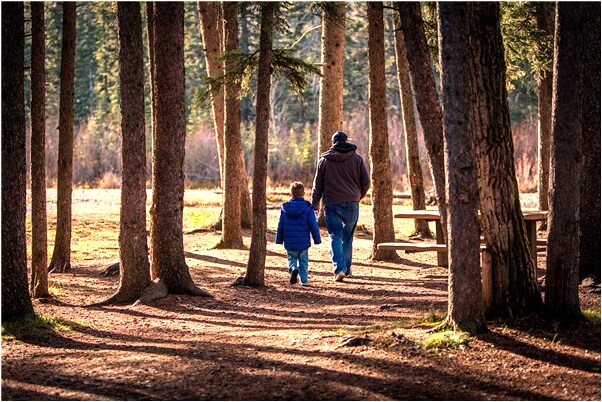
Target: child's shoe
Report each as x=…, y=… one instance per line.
x=294, y=276
x=304, y=283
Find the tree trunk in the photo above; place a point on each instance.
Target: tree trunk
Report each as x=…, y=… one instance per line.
x=39, y=223
x=330, y=115
x=133, y=250
x=382, y=188
x=411, y=135
x=427, y=102
x=167, y=244
x=466, y=310
x=231, y=232
x=562, y=274
x=61, y=256
x=255, y=275
x=150, y=29
x=589, y=235
x=211, y=34
x=210, y=15
x=16, y=302
x=515, y=290
x=545, y=22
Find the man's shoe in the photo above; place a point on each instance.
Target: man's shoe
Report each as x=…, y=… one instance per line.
x=294, y=276
x=339, y=277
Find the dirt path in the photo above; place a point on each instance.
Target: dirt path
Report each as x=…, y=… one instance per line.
x=285, y=342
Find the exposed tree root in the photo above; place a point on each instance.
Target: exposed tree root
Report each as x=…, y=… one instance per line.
x=230, y=246
x=217, y=225
x=243, y=281
x=59, y=266
x=159, y=289
x=119, y=298
x=155, y=290
x=111, y=270
x=240, y=281
x=472, y=328
x=387, y=256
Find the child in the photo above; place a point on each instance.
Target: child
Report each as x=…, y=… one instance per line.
x=297, y=220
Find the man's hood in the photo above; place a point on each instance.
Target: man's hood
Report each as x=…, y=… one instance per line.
x=296, y=206
x=340, y=152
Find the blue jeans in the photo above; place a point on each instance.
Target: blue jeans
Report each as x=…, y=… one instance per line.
x=341, y=220
x=298, y=260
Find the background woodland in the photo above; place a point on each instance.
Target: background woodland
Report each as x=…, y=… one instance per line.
x=293, y=137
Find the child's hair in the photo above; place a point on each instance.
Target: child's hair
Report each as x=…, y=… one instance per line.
x=297, y=189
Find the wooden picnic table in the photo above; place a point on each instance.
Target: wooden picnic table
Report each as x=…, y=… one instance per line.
x=531, y=219
x=431, y=216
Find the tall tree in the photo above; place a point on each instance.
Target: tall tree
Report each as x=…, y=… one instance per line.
x=150, y=29
x=382, y=188
x=168, y=265
x=330, y=102
x=134, y=267
x=211, y=19
x=466, y=310
x=16, y=302
x=231, y=231
x=61, y=256
x=589, y=234
x=427, y=101
x=409, y=128
x=545, y=22
x=515, y=289
x=39, y=225
x=330, y=116
x=256, y=265
x=562, y=273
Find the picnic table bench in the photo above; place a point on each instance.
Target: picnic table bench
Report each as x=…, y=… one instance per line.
x=531, y=219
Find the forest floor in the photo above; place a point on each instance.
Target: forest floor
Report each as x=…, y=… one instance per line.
x=282, y=342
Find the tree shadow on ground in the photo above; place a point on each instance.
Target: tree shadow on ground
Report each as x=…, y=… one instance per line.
x=531, y=351
x=233, y=371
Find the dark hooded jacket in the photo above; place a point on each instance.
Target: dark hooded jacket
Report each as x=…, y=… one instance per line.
x=342, y=176
x=297, y=221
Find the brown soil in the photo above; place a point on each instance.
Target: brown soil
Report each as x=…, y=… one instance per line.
x=284, y=342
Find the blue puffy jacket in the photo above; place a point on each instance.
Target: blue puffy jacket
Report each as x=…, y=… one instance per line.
x=297, y=221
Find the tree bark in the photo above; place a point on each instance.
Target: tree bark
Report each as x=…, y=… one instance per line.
x=39, y=222
x=427, y=102
x=231, y=231
x=168, y=265
x=211, y=34
x=411, y=135
x=61, y=256
x=16, y=302
x=133, y=249
x=515, y=290
x=211, y=19
x=255, y=275
x=330, y=115
x=150, y=29
x=562, y=273
x=466, y=310
x=545, y=22
x=380, y=174
x=330, y=103
x=589, y=235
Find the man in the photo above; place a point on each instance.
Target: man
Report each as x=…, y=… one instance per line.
x=341, y=181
